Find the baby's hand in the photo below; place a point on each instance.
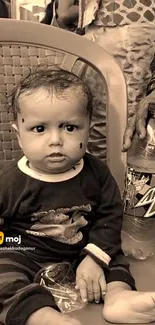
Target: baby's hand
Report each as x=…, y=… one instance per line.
x=90, y=280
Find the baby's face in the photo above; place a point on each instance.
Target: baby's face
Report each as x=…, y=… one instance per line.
x=53, y=132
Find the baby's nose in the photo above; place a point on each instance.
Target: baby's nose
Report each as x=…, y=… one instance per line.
x=55, y=138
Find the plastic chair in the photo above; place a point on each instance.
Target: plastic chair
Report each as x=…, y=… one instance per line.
x=25, y=44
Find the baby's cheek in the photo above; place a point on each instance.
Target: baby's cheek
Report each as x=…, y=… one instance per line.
x=31, y=146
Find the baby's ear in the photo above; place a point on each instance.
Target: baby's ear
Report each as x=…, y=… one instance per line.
x=16, y=130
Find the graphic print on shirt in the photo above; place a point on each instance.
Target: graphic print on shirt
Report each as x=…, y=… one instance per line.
x=62, y=224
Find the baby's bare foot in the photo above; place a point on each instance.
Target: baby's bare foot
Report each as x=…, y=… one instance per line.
x=130, y=307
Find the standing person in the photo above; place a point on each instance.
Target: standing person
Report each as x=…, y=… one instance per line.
x=65, y=203
x=126, y=29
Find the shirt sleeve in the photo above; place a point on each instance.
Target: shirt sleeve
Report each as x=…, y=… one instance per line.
x=105, y=233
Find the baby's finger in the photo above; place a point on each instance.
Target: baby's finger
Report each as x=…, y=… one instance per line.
x=103, y=285
x=82, y=286
x=97, y=291
x=90, y=290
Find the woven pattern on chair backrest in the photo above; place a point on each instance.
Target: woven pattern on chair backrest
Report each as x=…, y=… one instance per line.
x=24, y=44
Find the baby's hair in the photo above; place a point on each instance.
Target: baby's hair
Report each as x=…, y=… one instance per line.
x=50, y=79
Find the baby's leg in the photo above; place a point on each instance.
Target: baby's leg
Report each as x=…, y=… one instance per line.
x=21, y=300
x=123, y=304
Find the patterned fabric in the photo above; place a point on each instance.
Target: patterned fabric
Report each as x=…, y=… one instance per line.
x=133, y=53
x=125, y=12
x=133, y=48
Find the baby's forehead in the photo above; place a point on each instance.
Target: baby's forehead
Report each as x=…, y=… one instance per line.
x=71, y=92
x=42, y=93
x=70, y=102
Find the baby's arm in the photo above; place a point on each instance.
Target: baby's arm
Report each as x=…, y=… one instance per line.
x=67, y=12
x=104, y=242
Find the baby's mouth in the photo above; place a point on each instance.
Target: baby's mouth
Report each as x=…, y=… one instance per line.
x=56, y=154
x=56, y=157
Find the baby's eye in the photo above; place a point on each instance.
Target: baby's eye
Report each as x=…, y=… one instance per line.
x=70, y=128
x=39, y=129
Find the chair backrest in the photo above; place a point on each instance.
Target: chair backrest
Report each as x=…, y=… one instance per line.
x=28, y=44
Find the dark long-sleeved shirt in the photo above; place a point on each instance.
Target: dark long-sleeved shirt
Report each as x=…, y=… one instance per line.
x=58, y=218
x=62, y=218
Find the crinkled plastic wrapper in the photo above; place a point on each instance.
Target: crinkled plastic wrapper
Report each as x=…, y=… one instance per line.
x=59, y=279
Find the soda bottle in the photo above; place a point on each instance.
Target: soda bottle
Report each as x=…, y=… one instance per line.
x=138, y=230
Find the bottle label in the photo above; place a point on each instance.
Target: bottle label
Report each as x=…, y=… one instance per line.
x=139, y=194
